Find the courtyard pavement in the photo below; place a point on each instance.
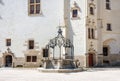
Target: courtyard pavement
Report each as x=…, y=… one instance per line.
x=25, y=74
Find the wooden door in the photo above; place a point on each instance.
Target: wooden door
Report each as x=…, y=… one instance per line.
x=90, y=60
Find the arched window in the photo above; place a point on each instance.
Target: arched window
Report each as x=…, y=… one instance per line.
x=91, y=10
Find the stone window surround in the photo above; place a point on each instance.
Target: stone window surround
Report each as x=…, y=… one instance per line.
x=92, y=5
x=75, y=8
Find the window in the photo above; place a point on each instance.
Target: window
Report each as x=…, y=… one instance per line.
x=109, y=27
x=45, y=52
x=31, y=59
x=28, y=58
x=106, y=61
x=91, y=10
x=31, y=44
x=105, y=51
x=34, y=7
x=74, y=13
x=108, y=4
x=8, y=42
x=91, y=33
x=34, y=58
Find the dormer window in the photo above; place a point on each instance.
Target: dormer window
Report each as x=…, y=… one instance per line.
x=74, y=13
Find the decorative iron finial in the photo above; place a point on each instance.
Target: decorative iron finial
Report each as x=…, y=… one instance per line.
x=60, y=30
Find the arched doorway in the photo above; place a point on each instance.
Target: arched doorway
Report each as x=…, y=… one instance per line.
x=90, y=61
x=8, y=61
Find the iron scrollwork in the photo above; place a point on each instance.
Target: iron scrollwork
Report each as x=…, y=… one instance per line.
x=60, y=41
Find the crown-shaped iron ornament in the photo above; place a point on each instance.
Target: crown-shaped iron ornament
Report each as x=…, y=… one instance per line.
x=60, y=40
x=60, y=31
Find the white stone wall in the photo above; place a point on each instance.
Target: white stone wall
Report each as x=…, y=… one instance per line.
x=0, y=62
x=112, y=16
x=78, y=27
x=17, y=25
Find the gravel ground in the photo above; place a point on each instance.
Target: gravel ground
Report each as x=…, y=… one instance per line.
x=96, y=74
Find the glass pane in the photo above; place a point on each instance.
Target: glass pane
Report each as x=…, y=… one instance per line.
x=38, y=8
x=31, y=9
x=28, y=58
x=89, y=33
x=74, y=13
x=107, y=6
x=31, y=44
x=92, y=33
x=8, y=42
x=31, y=1
x=37, y=1
x=107, y=1
x=105, y=51
x=91, y=11
x=34, y=58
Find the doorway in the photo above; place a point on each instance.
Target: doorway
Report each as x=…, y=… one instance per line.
x=8, y=61
x=90, y=60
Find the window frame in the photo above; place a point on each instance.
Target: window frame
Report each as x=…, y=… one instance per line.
x=91, y=33
x=108, y=5
x=34, y=58
x=77, y=17
x=74, y=13
x=91, y=10
x=105, y=54
x=30, y=46
x=109, y=27
x=8, y=42
x=28, y=60
x=35, y=8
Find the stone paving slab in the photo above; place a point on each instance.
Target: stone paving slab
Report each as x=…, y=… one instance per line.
x=10, y=74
